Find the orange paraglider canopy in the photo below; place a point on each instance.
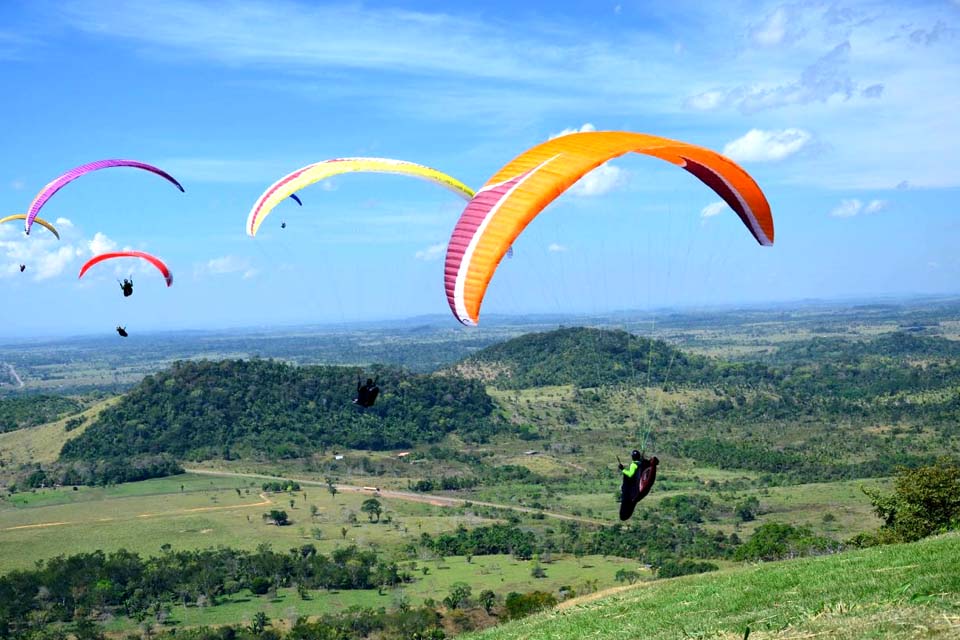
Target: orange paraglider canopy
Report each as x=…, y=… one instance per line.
x=506, y=204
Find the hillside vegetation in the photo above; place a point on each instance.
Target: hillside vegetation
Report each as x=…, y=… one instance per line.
x=898, y=591
x=596, y=357
x=247, y=408
x=30, y=411
x=42, y=443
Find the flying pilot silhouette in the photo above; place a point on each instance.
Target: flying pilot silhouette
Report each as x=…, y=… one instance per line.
x=366, y=393
x=122, y=331
x=127, y=287
x=23, y=268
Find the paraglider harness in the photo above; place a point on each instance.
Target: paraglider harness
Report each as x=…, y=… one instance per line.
x=637, y=482
x=366, y=393
x=122, y=331
x=127, y=286
x=23, y=267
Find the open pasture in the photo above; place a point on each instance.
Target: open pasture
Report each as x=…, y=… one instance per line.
x=207, y=512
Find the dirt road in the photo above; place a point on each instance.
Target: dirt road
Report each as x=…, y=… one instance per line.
x=409, y=496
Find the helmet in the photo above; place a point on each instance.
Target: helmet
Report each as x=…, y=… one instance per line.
x=635, y=455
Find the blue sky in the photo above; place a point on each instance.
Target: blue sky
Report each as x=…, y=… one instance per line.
x=844, y=112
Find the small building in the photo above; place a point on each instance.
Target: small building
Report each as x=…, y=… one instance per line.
x=339, y=456
x=532, y=452
x=403, y=454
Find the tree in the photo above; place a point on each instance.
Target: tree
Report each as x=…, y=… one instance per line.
x=459, y=596
x=537, y=571
x=627, y=575
x=372, y=507
x=925, y=500
x=314, y=511
x=487, y=600
x=292, y=502
x=277, y=517
x=260, y=622
x=748, y=509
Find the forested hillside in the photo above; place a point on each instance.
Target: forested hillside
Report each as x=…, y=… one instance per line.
x=29, y=411
x=247, y=408
x=594, y=357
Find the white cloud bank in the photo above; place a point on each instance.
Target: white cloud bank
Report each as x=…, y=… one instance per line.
x=853, y=206
x=758, y=145
x=101, y=244
x=433, y=252
x=714, y=209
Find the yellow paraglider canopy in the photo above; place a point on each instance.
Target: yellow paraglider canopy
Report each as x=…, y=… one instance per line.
x=40, y=221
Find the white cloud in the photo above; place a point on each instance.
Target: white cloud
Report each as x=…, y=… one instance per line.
x=714, y=209
x=53, y=263
x=64, y=223
x=707, y=101
x=853, y=206
x=847, y=208
x=824, y=79
x=556, y=248
x=225, y=265
x=587, y=127
x=773, y=30
x=601, y=180
x=42, y=254
x=766, y=146
x=101, y=244
x=250, y=273
x=433, y=252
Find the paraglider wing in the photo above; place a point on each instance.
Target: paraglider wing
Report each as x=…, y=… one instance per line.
x=628, y=496
x=301, y=178
x=47, y=192
x=296, y=199
x=155, y=261
x=40, y=221
x=506, y=204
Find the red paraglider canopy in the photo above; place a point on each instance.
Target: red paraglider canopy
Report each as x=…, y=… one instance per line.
x=155, y=261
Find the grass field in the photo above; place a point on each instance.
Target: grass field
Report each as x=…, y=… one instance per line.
x=142, y=516
x=499, y=573
x=900, y=591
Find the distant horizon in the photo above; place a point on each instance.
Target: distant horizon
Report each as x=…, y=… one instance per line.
x=501, y=320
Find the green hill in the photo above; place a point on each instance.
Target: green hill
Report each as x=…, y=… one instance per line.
x=595, y=357
x=246, y=408
x=897, y=591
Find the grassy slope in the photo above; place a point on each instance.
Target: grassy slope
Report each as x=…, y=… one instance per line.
x=43, y=443
x=900, y=591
